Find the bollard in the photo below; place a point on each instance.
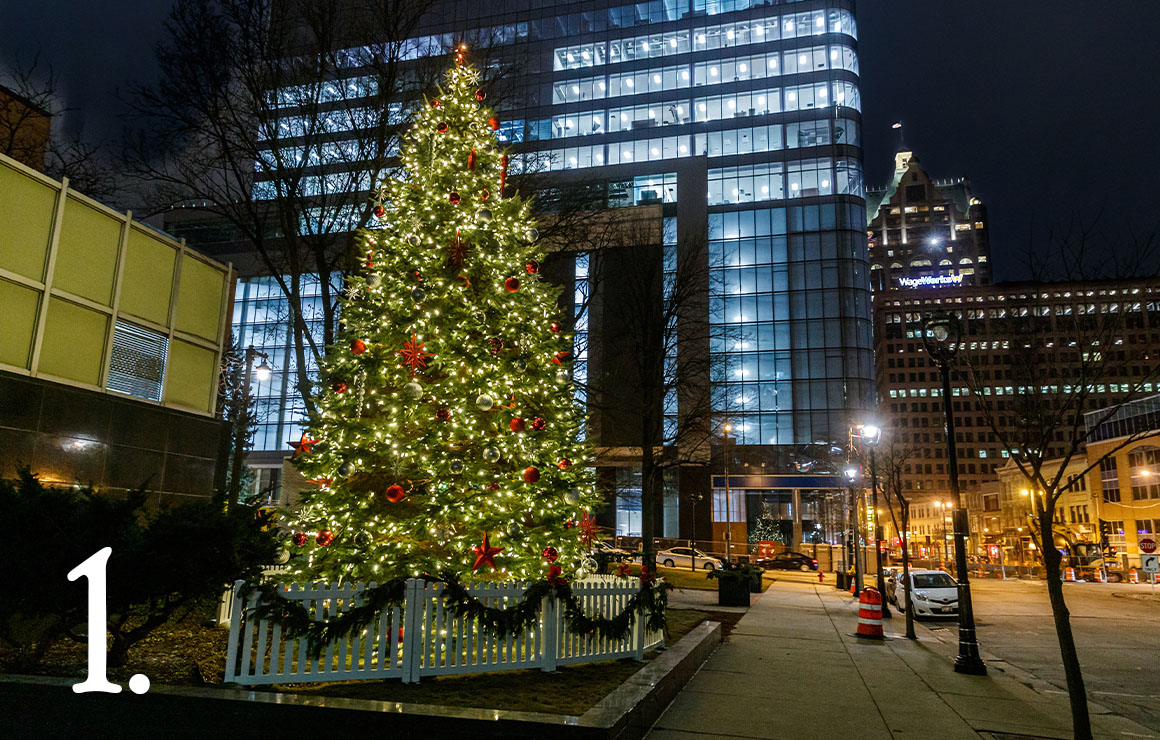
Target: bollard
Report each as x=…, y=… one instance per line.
x=870, y=615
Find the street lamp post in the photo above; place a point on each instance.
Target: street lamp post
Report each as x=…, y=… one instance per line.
x=855, y=530
x=871, y=435
x=241, y=426
x=940, y=339
x=694, y=499
x=728, y=523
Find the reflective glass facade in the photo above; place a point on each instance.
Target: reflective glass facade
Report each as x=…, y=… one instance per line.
x=742, y=115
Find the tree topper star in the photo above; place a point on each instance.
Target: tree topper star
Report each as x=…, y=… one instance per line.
x=485, y=554
x=414, y=353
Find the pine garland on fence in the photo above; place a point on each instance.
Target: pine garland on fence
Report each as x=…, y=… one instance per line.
x=298, y=622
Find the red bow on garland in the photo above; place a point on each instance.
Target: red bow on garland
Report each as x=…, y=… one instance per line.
x=556, y=576
x=622, y=570
x=647, y=577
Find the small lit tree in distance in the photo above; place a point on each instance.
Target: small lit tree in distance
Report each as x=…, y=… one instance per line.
x=447, y=437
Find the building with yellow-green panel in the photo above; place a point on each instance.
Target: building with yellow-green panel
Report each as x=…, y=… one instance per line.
x=110, y=344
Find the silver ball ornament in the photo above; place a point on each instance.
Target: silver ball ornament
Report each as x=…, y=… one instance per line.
x=374, y=280
x=345, y=469
x=533, y=234
x=521, y=365
x=562, y=377
x=573, y=496
x=484, y=215
x=491, y=454
x=418, y=294
x=413, y=240
x=456, y=466
x=484, y=402
x=412, y=391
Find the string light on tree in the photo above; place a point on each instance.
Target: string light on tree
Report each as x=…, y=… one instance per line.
x=447, y=425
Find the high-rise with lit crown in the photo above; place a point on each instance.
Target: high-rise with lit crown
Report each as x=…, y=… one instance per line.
x=742, y=120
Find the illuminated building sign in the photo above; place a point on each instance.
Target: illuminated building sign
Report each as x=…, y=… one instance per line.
x=935, y=280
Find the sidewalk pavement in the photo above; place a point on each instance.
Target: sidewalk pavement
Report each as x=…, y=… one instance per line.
x=792, y=670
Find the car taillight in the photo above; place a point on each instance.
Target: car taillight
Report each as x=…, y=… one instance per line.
x=813, y=562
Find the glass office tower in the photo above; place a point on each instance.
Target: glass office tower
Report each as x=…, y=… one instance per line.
x=743, y=117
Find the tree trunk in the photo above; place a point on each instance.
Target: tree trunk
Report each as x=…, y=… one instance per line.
x=1077, y=694
x=909, y=606
x=650, y=484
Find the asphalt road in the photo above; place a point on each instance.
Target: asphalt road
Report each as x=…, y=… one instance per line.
x=1117, y=631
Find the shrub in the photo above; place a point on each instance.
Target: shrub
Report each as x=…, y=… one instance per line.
x=164, y=563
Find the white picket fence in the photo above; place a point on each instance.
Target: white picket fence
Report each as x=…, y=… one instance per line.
x=423, y=638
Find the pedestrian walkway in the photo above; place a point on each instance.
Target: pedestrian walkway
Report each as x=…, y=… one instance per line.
x=792, y=669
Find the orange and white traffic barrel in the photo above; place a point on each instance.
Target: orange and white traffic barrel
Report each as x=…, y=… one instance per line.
x=1099, y=574
x=870, y=615
x=1069, y=574
x=1133, y=576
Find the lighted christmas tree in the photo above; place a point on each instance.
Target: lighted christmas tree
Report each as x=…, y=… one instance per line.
x=447, y=438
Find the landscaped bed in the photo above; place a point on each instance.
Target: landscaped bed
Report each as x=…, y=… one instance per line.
x=193, y=654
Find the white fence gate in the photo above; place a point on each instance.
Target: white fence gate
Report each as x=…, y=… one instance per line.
x=423, y=638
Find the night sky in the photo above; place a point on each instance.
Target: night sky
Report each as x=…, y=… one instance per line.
x=1046, y=106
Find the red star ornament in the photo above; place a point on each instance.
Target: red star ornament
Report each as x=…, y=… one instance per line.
x=485, y=554
x=414, y=353
x=589, y=532
x=305, y=445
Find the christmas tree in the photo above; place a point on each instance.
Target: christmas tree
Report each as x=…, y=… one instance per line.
x=446, y=438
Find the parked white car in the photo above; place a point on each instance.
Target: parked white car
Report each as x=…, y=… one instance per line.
x=934, y=593
x=679, y=557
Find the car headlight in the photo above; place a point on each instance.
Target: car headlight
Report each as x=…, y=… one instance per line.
x=920, y=594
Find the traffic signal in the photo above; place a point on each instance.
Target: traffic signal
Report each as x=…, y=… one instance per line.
x=1105, y=527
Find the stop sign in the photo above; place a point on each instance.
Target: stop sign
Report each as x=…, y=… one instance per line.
x=1147, y=545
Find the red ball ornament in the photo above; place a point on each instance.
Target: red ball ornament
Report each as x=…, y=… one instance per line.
x=517, y=424
x=496, y=344
x=485, y=194
x=436, y=104
x=299, y=538
x=443, y=414
x=570, y=524
x=453, y=198
x=338, y=386
x=358, y=346
x=555, y=327
x=442, y=127
x=493, y=123
x=564, y=464
x=532, y=267
x=379, y=211
x=395, y=493
x=325, y=537
x=512, y=284
x=550, y=554
x=531, y=474
x=539, y=424
x=493, y=486
x=480, y=95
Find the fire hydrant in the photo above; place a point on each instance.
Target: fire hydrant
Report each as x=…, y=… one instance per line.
x=821, y=576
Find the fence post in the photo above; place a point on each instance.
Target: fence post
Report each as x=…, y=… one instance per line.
x=550, y=645
x=235, y=630
x=639, y=630
x=412, y=640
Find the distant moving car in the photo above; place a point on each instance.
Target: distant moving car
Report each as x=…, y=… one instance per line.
x=934, y=593
x=789, y=561
x=680, y=557
x=614, y=553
